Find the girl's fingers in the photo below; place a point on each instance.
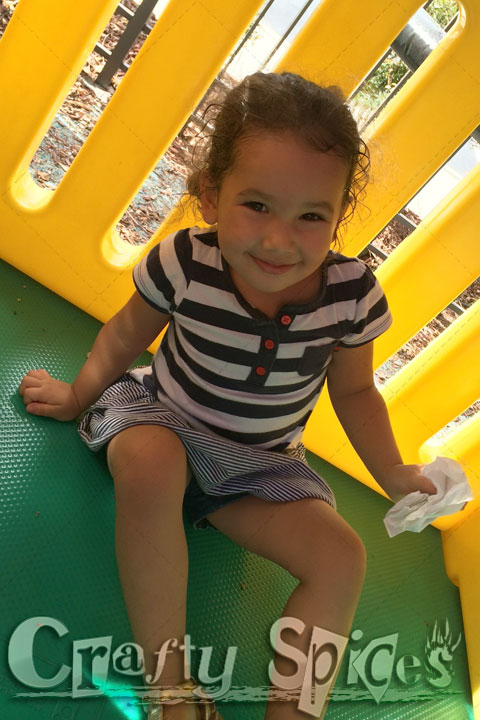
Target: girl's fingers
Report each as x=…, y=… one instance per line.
x=33, y=394
x=37, y=374
x=34, y=378
x=41, y=373
x=40, y=395
x=428, y=486
x=29, y=382
x=38, y=408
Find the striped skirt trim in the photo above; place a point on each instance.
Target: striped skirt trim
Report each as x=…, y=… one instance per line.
x=220, y=466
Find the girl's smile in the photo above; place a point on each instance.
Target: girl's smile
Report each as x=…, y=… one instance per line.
x=271, y=267
x=276, y=212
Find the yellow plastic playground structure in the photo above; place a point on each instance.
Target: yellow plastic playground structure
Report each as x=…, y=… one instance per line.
x=73, y=247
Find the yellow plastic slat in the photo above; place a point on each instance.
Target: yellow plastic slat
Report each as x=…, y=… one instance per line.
x=67, y=239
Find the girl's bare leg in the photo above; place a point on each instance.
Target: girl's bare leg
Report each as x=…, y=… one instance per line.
x=310, y=540
x=149, y=468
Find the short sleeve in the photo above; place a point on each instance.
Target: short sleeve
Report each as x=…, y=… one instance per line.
x=372, y=314
x=162, y=276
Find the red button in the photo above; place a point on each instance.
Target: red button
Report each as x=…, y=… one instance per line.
x=260, y=370
x=269, y=344
x=285, y=319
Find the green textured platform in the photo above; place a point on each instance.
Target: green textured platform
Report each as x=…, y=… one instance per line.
x=58, y=561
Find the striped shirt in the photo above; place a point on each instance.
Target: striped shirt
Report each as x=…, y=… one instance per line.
x=230, y=370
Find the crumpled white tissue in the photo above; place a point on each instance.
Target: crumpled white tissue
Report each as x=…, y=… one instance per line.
x=416, y=510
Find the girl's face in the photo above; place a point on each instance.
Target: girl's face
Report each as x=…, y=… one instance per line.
x=276, y=214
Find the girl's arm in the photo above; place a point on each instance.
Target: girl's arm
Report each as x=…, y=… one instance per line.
x=362, y=412
x=118, y=344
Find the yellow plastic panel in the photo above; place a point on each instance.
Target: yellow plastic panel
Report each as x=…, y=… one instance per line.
x=463, y=446
x=344, y=56
x=427, y=120
x=41, y=36
x=69, y=242
x=432, y=266
x=422, y=127
x=436, y=386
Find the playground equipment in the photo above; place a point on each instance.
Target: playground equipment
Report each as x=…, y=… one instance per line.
x=66, y=239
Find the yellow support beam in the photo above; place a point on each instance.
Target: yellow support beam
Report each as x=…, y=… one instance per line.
x=41, y=36
x=419, y=129
x=67, y=239
x=343, y=40
x=430, y=268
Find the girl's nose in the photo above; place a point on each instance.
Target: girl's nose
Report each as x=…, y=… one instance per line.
x=278, y=236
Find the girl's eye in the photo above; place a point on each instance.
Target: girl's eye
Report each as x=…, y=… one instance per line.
x=256, y=206
x=312, y=217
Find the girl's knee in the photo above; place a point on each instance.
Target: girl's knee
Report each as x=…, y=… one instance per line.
x=350, y=558
x=147, y=456
x=337, y=550
x=355, y=553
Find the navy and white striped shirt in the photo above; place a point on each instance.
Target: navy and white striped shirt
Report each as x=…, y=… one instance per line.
x=227, y=368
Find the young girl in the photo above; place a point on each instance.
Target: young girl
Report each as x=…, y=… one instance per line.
x=261, y=312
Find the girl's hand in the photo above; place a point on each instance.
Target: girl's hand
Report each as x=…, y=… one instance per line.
x=43, y=395
x=404, y=479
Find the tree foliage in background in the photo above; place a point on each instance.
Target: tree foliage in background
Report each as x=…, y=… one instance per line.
x=392, y=69
x=442, y=11
x=386, y=77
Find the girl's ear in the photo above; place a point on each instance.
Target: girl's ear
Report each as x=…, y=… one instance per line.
x=208, y=200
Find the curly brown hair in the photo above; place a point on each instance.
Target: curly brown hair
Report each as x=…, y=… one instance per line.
x=279, y=102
